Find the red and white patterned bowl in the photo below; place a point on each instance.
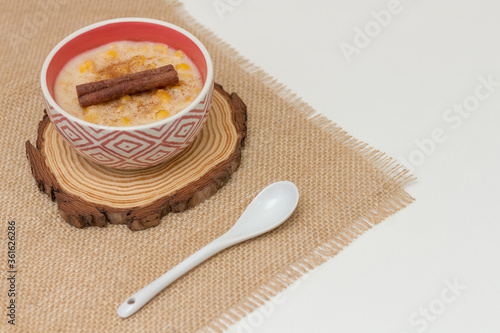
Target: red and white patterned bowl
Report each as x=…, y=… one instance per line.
x=131, y=147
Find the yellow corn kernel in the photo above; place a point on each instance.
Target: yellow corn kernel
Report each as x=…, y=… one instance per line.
x=162, y=114
x=91, y=118
x=196, y=90
x=160, y=48
x=90, y=109
x=125, y=99
x=163, y=95
x=125, y=121
x=182, y=67
x=86, y=66
x=138, y=60
x=121, y=108
x=179, y=54
x=144, y=48
x=152, y=66
x=112, y=54
x=189, y=99
x=185, y=76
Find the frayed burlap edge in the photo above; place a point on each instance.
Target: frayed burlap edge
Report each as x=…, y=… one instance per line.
x=386, y=165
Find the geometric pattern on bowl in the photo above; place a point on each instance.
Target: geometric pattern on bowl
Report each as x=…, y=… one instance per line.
x=133, y=149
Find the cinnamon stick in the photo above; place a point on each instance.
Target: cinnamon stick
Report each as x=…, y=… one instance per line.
x=140, y=82
x=87, y=88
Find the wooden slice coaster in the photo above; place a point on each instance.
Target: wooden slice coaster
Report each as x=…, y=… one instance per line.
x=92, y=195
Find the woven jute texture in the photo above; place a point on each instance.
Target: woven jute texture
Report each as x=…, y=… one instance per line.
x=72, y=280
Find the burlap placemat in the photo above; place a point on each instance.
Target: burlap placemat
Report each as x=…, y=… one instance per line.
x=72, y=280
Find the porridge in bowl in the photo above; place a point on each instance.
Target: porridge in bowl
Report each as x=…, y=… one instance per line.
x=116, y=60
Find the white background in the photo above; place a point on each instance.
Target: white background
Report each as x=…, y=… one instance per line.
x=392, y=94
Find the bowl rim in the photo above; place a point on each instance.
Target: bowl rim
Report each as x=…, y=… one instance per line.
x=204, y=91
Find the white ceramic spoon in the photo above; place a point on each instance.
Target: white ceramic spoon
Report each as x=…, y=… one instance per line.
x=269, y=209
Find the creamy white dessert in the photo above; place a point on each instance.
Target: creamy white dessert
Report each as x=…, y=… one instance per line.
x=122, y=58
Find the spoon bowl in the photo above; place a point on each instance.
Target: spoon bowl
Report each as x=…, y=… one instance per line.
x=270, y=208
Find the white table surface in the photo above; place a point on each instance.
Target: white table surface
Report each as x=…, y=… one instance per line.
x=397, y=93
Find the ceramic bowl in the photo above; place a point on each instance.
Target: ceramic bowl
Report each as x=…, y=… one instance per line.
x=131, y=147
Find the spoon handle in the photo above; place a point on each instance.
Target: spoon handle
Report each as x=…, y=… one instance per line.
x=140, y=298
